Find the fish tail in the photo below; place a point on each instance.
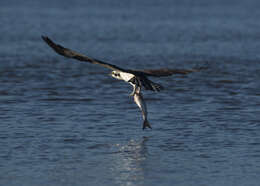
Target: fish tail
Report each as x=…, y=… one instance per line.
x=146, y=124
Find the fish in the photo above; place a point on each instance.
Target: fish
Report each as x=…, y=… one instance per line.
x=139, y=100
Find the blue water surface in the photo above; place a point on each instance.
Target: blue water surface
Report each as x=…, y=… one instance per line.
x=67, y=123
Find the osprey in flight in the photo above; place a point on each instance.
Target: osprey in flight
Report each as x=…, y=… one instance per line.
x=137, y=78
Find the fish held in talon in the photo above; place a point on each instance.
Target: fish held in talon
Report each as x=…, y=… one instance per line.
x=139, y=100
x=137, y=78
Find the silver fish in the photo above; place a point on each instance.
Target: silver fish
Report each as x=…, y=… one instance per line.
x=139, y=100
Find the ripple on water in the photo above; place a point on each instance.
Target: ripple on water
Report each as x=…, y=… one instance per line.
x=68, y=123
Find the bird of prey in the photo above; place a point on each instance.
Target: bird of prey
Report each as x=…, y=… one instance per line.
x=137, y=78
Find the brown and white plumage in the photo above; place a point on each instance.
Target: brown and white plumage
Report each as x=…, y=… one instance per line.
x=140, y=75
x=137, y=78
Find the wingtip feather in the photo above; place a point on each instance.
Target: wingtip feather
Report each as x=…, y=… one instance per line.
x=44, y=37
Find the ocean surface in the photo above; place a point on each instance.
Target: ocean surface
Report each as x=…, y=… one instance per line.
x=66, y=123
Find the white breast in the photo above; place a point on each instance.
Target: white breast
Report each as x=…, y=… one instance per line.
x=126, y=76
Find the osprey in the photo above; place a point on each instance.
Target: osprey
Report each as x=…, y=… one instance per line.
x=137, y=78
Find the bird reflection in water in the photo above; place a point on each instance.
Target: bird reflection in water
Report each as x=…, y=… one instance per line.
x=129, y=165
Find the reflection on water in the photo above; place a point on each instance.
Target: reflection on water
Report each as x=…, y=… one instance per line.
x=129, y=160
x=66, y=123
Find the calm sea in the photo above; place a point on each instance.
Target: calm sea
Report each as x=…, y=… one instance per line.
x=65, y=123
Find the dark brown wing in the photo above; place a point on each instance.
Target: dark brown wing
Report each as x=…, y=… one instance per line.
x=72, y=54
x=167, y=72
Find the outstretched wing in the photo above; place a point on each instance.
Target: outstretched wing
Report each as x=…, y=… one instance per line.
x=167, y=72
x=72, y=54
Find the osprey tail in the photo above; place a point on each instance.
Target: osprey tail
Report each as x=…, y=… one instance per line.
x=149, y=85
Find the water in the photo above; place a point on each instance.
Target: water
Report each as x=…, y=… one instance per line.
x=68, y=123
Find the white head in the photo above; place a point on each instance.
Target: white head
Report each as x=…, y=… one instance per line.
x=116, y=74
